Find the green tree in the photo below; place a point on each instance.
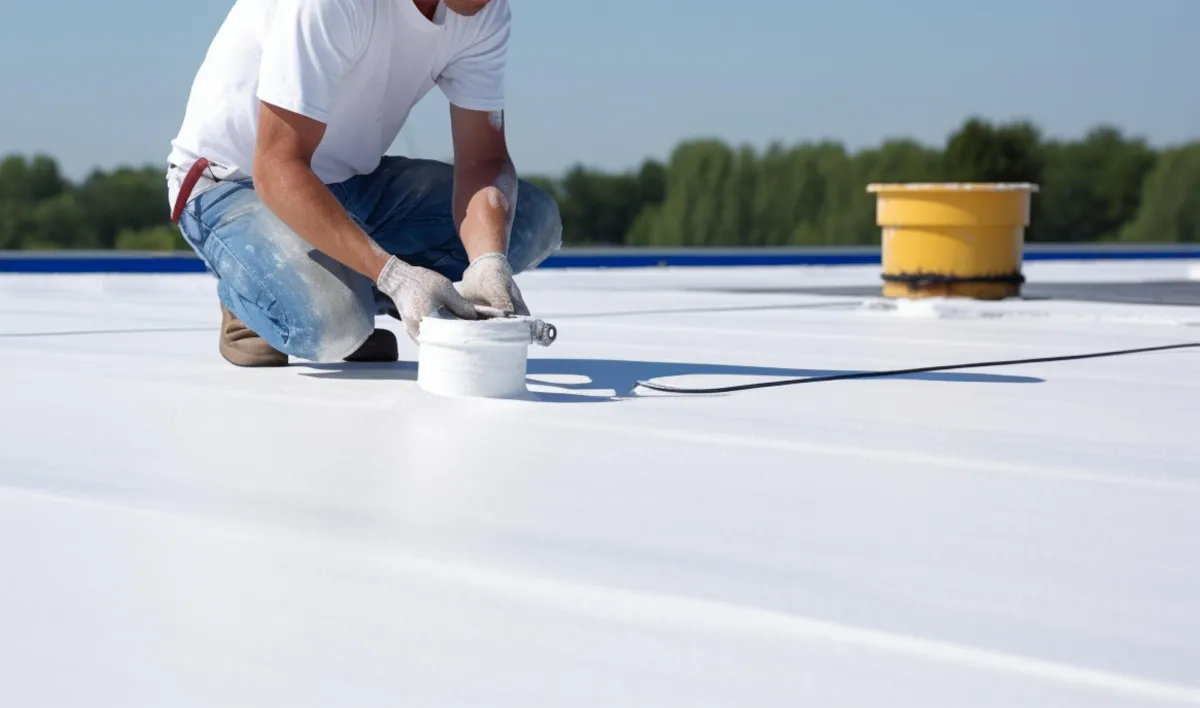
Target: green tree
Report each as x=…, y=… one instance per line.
x=698, y=176
x=16, y=224
x=30, y=181
x=1170, y=208
x=600, y=209
x=982, y=152
x=841, y=192
x=772, y=209
x=125, y=199
x=60, y=222
x=718, y=196
x=895, y=161
x=165, y=237
x=1091, y=188
x=710, y=193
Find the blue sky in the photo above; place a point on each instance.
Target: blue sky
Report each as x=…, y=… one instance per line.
x=611, y=82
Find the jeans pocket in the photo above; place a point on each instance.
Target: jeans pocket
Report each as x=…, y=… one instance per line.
x=232, y=257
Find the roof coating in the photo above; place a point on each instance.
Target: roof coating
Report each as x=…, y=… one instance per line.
x=180, y=532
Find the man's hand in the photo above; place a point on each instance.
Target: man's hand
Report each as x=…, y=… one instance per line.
x=489, y=283
x=420, y=292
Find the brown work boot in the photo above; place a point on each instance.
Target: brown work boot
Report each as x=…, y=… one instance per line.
x=381, y=346
x=242, y=347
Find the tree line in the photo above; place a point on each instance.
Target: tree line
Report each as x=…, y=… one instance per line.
x=1104, y=186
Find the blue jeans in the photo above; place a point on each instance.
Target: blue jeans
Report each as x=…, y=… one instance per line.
x=310, y=306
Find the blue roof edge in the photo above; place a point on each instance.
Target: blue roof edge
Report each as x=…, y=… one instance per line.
x=67, y=262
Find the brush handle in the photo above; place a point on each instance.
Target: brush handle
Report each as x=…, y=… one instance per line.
x=541, y=333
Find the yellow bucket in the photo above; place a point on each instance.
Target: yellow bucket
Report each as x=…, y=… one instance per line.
x=953, y=240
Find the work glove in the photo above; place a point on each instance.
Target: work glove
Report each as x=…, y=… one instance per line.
x=488, y=284
x=420, y=292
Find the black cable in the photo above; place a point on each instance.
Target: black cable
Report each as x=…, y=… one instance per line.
x=901, y=372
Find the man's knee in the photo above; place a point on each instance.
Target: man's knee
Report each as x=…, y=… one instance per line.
x=537, y=229
x=330, y=312
x=333, y=326
x=301, y=301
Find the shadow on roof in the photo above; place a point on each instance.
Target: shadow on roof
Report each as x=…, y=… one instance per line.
x=591, y=379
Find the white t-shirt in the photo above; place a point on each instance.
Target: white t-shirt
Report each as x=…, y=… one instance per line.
x=359, y=66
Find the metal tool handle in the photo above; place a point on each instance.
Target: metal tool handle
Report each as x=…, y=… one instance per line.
x=541, y=333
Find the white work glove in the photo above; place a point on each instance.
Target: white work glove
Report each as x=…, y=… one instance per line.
x=488, y=284
x=420, y=292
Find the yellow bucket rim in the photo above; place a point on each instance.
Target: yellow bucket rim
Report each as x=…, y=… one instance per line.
x=955, y=187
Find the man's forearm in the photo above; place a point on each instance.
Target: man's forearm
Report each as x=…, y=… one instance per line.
x=485, y=204
x=294, y=194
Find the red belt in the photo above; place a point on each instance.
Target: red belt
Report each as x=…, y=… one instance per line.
x=185, y=189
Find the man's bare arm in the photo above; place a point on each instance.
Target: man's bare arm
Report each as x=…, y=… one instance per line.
x=485, y=181
x=285, y=182
x=485, y=206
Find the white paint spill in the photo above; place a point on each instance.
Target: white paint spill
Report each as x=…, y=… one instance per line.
x=474, y=359
x=497, y=199
x=507, y=183
x=496, y=119
x=1016, y=308
x=377, y=249
x=918, y=308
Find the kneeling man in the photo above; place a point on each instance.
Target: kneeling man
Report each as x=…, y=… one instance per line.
x=278, y=177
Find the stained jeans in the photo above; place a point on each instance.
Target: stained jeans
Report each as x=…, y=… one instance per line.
x=308, y=305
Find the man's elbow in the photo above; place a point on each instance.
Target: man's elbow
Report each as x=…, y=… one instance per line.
x=271, y=174
x=284, y=147
x=266, y=166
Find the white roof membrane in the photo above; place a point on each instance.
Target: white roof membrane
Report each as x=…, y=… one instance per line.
x=180, y=532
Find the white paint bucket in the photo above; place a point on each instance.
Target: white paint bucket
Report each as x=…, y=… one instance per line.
x=474, y=358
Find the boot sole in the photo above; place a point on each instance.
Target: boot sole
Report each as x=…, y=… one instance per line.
x=252, y=361
x=380, y=347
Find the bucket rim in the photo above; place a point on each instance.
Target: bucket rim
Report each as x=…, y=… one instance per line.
x=444, y=331
x=878, y=187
